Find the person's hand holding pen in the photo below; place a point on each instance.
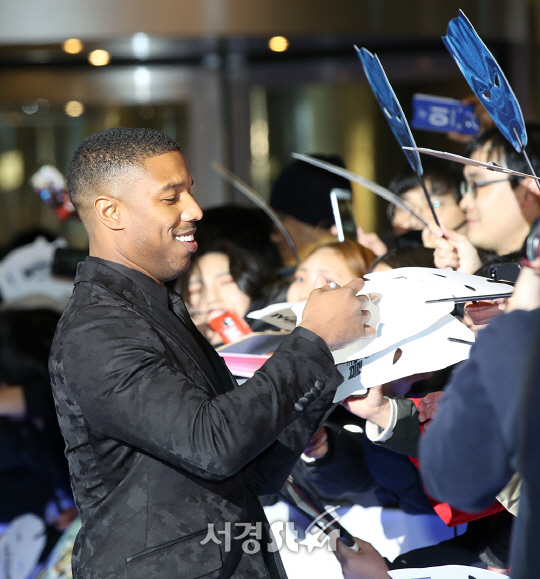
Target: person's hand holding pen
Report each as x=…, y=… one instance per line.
x=454, y=251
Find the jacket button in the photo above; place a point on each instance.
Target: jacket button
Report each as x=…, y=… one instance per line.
x=299, y=407
x=314, y=392
x=304, y=401
x=319, y=384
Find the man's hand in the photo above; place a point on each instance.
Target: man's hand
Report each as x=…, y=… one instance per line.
x=317, y=446
x=371, y=241
x=429, y=406
x=455, y=251
x=373, y=406
x=526, y=294
x=337, y=315
x=366, y=563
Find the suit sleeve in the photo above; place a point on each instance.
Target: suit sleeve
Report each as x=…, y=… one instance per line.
x=276, y=463
x=467, y=455
x=112, y=364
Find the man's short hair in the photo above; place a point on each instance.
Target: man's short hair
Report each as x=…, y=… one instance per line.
x=444, y=177
x=108, y=155
x=502, y=151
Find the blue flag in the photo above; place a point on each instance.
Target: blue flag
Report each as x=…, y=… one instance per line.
x=486, y=79
x=390, y=105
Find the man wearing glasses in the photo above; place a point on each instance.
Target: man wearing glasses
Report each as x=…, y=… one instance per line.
x=499, y=210
x=443, y=181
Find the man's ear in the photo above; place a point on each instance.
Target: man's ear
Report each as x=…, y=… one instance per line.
x=529, y=193
x=108, y=212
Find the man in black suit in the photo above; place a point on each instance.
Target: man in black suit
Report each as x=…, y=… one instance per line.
x=166, y=455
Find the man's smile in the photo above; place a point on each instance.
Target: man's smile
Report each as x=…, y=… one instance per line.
x=188, y=241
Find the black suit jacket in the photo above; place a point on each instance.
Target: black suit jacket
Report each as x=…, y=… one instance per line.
x=160, y=442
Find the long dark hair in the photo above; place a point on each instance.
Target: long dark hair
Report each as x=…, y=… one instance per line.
x=251, y=274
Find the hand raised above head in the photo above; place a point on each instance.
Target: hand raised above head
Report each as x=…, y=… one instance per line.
x=371, y=241
x=338, y=316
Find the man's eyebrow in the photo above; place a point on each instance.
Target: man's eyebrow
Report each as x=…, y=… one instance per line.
x=170, y=186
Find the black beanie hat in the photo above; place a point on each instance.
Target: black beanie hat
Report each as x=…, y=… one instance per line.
x=303, y=191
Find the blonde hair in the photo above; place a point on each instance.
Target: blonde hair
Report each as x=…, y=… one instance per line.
x=357, y=257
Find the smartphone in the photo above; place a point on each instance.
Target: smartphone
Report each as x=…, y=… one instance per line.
x=230, y=326
x=342, y=207
x=443, y=115
x=504, y=272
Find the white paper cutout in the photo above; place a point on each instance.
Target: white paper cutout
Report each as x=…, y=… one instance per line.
x=444, y=572
x=427, y=351
x=279, y=315
x=402, y=313
x=352, y=384
x=456, y=284
x=402, y=319
x=22, y=546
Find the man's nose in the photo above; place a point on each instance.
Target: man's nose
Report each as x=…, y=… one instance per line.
x=192, y=211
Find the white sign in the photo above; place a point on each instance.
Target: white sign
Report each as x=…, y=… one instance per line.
x=279, y=315
x=22, y=546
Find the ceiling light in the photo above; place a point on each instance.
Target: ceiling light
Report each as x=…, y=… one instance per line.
x=278, y=44
x=72, y=46
x=99, y=58
x=74, y=109
x=140, y=43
